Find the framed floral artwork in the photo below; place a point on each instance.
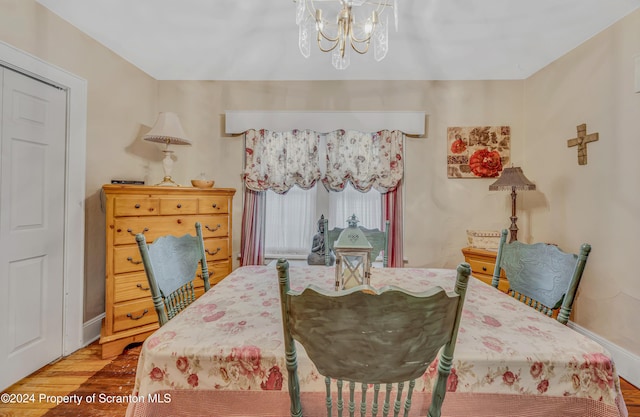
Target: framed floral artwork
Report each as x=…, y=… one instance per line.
x=478, y=151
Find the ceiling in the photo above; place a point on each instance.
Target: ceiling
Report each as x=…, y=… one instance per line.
x=258, y=39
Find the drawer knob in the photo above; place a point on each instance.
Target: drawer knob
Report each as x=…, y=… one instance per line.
x=212, y=229
x=484, y=268
x=146, y=229
x=215, y=206
x=179, y=206
x=142, y=288
x=130, y=259
x=137, y=317
x=212, y=253
x=137, y=206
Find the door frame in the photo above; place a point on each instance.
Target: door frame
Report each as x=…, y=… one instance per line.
x=74, y=199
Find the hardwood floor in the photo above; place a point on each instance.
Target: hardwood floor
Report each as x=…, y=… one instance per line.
x=66, y=375
x=631, y=397
x=59, y=378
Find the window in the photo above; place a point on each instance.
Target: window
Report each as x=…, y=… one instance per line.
x=289, y=220
x=283, y=226
x=366, y=206
x=292, y=218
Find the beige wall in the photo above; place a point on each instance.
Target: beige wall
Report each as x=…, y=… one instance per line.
x=120, y=100
x=598, y=202
x=437, y=210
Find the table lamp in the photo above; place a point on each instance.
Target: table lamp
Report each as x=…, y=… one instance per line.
x=167, y=130
x=512, y=179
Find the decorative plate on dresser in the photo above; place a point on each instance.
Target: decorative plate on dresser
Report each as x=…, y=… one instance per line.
x=155, y=211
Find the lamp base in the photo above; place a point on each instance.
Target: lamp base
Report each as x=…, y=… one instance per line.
x=167, y=165
x=167, y=182
x=513, y=229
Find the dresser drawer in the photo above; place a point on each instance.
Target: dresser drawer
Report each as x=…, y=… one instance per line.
x=127, y=259
x=503, y=283
x=126, y=228
x=178, y=206
x=483, y=264
x=481, y=267
x=135, y=206
x=217, y=249
x=215, y=225
x=132, y=314
x=135, y=285
x=131, y=287
x=213, y=205
x=217, y=271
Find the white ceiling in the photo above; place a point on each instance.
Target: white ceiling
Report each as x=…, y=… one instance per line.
x=258, y=39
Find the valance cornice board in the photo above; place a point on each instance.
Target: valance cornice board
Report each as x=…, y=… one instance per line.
x=279, y=160
x=408, y=122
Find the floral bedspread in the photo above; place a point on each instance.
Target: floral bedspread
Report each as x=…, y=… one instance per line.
x=231, y=339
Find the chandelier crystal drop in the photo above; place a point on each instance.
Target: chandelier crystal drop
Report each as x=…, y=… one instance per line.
x=344, y=25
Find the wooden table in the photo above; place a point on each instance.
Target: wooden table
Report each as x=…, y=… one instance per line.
x=224, y=355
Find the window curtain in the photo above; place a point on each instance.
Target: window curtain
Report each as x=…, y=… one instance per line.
x=286, y=215
x=392, y=211
x=273, y=161
x=253, y=226
x=279, y=160
x=367, y=206
x=371, y=161
x=364, y=159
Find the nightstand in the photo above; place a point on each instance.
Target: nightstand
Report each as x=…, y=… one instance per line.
x=483, y=263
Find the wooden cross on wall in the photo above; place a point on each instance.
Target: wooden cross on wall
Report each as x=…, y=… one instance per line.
x=581, y=141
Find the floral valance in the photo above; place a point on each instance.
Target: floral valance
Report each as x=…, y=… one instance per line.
x=364, y=159
x=280, y=160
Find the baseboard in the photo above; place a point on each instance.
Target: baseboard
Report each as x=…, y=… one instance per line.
x=91, y=329
x=627, y=363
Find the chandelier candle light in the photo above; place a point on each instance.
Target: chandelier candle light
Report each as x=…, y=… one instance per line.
x=356, y=24
x=512, y=179
x=167, y=130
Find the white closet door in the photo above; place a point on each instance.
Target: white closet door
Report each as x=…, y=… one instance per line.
x=32, y=189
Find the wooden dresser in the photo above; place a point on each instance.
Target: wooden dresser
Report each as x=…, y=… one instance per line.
x=483, y=263
x=155, y=211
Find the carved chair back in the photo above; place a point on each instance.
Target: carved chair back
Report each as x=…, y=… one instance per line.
x=170, y=264
x=541, y=275
x=366, y=336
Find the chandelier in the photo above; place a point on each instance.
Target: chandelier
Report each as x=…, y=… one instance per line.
x=356, y=25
